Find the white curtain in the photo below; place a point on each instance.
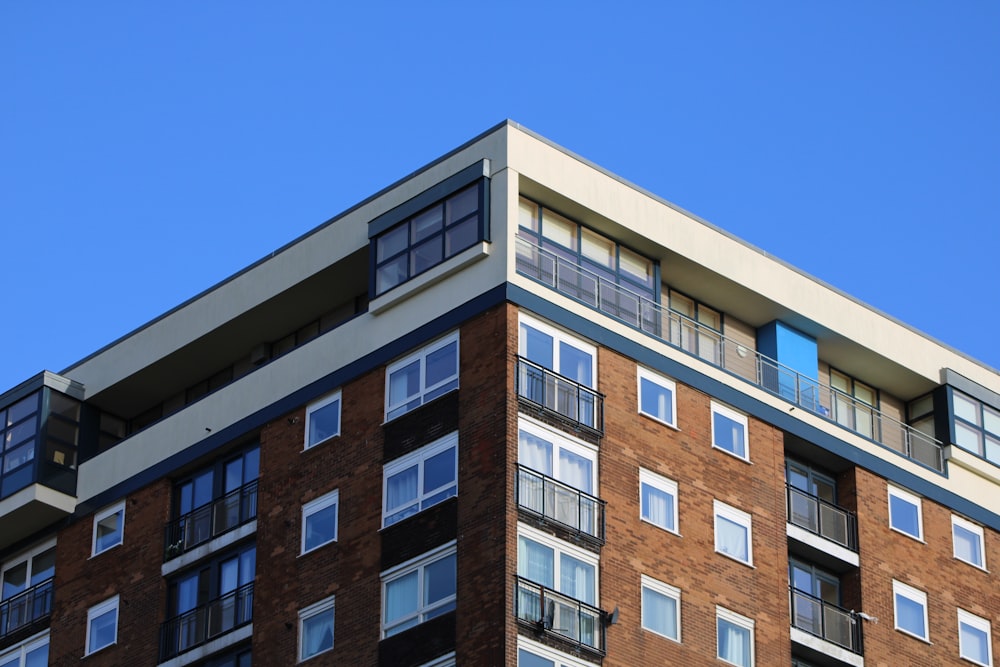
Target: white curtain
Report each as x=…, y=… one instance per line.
x=535, y=562
x=576, y=579
x=535, y=453
x=576, y=471
x=401, y=489
x=732, y=538
x=657, y=507
x=659, y=613
x=401, y=597
x=734, y=643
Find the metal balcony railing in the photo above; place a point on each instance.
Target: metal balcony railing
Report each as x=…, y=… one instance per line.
x=560, y=503
x=568, y=400
x=825, y=620
x=206, y=622
x=554, y=613
x=821, y=518
x=30, y=606
x=711, y=346
x=208, y=521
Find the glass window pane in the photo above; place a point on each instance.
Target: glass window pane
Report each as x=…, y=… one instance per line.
x=391, y=274
x=527, y=659
x=22, y=409
x=904, y=515
x=462, y=204
x=317, y=633
x=576, y=579
x=404, y=383
x=659, y=613
x=967, y=545
x=657, y=506
x=575, y=364
x=324, y=422
x=974, y=643
x=391, y=243
x=442, y=364
x=426, y=224
x=732, y=538
x=439, y=580
x=535, y=562
x=910, y=615
x=426, y=255
x=461, y=236
x=321, y=527
x=729, y=434
x=968, y=437
x=734, y=643
x=102, y=629
x=538, y=347
x=439, y=470
x=656, y=400
x=598, y=249
x=559, y=230
x=965, y=407
x=991, y=420
x=401, y=597
x=636, y=267
x=109, y=531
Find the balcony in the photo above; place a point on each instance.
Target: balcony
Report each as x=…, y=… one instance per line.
x=825, y=630
x=225, y=514
x=577, y=406
x=712, y=347
x=566, y=618
x=25, y=613
x=206, y=622
x=551, y=500
x=816, y=523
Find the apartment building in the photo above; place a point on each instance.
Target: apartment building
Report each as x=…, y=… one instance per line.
x=510, y=410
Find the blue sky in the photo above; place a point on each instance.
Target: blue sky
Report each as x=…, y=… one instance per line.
x=149, y=150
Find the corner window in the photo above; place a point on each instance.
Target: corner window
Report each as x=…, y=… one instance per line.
x=109, y=528
x=420, y=479
x=967, y=540
x=729, y=431
x=658, y=500
x=661, y=608
x=905, y=513
x=102, y=625
x=418, y=590
x=974, y=641
x=316, y=628
x=323, y=419
x=557, y=565
x=421, y=377
x=319, y=521
x=734, y=635
x=910, y=610
x=733, y=533
x=657, y=397
x=976, y=426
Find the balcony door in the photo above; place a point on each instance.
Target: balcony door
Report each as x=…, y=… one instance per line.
x=813, y=484
x=26, y=589
x=813, y=590
x=551, y=349
x=209, y=502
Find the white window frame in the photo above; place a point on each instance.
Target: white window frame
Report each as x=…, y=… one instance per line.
x=662, y=382
x=313, y=407
x=558, y=336
x=119, y=509
x=721, y=613
x=310, y=612
x=311, y=508
x=911, y=499
x=739, y=418
x=20, y=651
x=739, y=517
x=398, y=409
x=559, y=658
x=417, y=564
x=559, y=440
x=663, y=485
x=559, y=547
x=917, y=596
x=95, y=612
x=964, y=524
x=980, y=624
x=667, y=591
x=417, y=458
x=446, y=660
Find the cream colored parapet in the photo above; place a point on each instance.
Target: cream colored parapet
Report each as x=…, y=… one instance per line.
x=649, y=223
x=976, y=479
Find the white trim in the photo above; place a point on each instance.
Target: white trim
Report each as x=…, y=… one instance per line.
x=559, y=440
x=327, y=400
x=664, y=485
x=663, y=382
x=917, y=596
x=542, y=651
x=401, y=407
x=312, y=507
x=313, y=610
x=117, y=508
x=976, y=623
x=976, y=530
x=912, y=500
x=739, y=418
x=666, y=590
x=20, y=650
x=739, y=517
x=560, y=547
x=418, y=458
x=558, y=336
x=721, y=613
x=98, y=610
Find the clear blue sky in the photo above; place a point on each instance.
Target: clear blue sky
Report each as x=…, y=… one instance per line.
x=151, y=149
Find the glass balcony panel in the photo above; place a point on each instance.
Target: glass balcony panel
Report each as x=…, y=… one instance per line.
x=833, y=524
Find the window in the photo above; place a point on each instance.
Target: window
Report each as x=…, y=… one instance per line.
x=102, y=625
x=319, y=521
x=967, y=539
x=657, y=397
x=974, y=641
x=423, y=478
x=729, y=431
x=316, y=628
x=733, y=536
x=905, y=513
x=428, y=238
x=447, y=660
x=854, y=404
x=557, y=565
x=661, y=608
x=109, y=528
x=534, y=654
x=26, y=588
x=418, y=590
x=910, y=608
x=976, y=426
x=696, y=328
x=34, y=653
x=421, y=377
x=734, y=637
x=323, y=419
x=658, y=500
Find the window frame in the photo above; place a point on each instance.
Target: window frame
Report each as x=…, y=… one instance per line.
x=424, y=393
x=666, y=486
x=117, y=508
x=419, y=565
x=315, y=506
x=662, y=382
x=418, y=458
x=312, y=611
x=97, y=611
x=21, y=650
x=558, y=336
x=739, y=517
x=975, y=529
x=976, y=623
x=911, y=499
x=560, y=547
x=662, y=589
x=446, y=660
x=539, y=650
x=740, y=621
x=559, y=440
x=317, y=405
x=735, y=416
x=916, y=596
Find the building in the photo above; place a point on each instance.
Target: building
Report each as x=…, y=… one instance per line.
x=509, y=410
